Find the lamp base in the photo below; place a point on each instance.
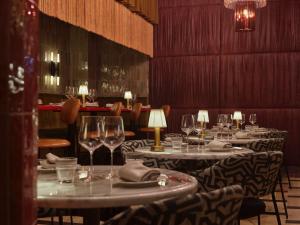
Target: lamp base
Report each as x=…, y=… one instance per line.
x=157, y=148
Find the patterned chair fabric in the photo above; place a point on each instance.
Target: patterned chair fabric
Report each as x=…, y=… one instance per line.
x=257, y=173
x=219, y=207
x=272, y=144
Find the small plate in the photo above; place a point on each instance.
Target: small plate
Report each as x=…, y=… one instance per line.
x=140, y=184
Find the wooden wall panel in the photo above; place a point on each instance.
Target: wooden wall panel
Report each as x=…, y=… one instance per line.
x=195, y=32
x=275, y=30
x=259, y=80
x=185, y=82
x=201, y=62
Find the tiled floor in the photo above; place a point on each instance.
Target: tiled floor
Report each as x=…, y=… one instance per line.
x=292, y=197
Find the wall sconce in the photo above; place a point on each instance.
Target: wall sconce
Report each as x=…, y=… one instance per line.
x=157, y=120
x=53, y=61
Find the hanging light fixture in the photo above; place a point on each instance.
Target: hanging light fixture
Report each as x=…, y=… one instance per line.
x=245, y=12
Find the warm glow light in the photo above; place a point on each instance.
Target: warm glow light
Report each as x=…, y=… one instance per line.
x=52, y=56
x=83, y=90
x=127, y=95
x=203, y=116
x=237, y=115
x=57, y=81
x=58, y=58
x=245, y=16
x=157, y=118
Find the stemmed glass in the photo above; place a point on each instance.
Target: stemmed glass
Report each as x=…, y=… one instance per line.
x=228, y=122
x=252, y=119
x=113, y=131
x=92, y=94
x=91, y=136
x=221, y=121
x=187, y=124
x=200, y=129
x=67, y=92
x=242, y=121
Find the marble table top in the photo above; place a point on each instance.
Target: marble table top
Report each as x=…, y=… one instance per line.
x=239, y=141
x=193, y=153
x=104, y=193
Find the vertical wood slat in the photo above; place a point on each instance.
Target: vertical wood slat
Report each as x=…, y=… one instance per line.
x=107, y=18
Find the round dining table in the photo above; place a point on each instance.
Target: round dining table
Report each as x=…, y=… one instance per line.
x=193, y=152
x=106, y=193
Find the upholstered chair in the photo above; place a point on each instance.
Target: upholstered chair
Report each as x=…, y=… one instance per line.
x=218, y=207
x=257, y=173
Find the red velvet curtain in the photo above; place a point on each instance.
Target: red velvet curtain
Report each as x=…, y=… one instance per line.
x=201, y=62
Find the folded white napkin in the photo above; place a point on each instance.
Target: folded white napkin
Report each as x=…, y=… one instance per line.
x=137, y=172
x=92, y=104
x=109, y=105
x=261, y=129
x=241, y=135
x=218, y=144
x=49, y=162
x=51, y=158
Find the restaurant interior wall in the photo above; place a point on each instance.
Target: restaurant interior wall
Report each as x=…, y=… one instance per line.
x=201, y=62
x=108, y=67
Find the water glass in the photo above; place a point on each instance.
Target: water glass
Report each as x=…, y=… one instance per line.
x=65, y=169
x=252, y=119
x=176, y=143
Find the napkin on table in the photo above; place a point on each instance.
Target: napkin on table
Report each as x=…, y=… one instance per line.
x=218, y=144
x=49, y=162
x=137, y=172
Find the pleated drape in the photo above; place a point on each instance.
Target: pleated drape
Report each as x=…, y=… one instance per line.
x=147, y=9
x=107, y=18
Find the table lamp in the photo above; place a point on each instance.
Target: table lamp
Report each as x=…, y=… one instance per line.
x=83, y=91
x=237, y=115
x=157, y=120
x=128, y=96
x=203, y=118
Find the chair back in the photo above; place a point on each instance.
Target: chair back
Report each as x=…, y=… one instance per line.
x=219, y=207
x=167, y=109
x=272, y=144
x=116, y=109
x=69, y=111
x=257, y=173
x=136, y=112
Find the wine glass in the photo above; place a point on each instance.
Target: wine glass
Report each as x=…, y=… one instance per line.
x=113, y=131
x=252, y=119
x=242, y=121
x=92, y=94
x=67, y=92
x=228, y=123
x=91, y=136
x=187, y=124
x=199, y=127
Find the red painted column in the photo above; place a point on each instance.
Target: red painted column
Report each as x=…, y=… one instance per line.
x=19, y=47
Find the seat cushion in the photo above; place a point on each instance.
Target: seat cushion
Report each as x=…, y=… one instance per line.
x=53, y=143
x=252, y=207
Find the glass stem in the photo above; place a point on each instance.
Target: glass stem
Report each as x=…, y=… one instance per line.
x=91, y=164
x=111, y=163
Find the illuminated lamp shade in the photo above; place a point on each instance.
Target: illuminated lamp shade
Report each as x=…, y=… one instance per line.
x=245, y=15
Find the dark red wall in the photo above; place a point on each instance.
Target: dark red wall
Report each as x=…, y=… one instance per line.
x=201, y=62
